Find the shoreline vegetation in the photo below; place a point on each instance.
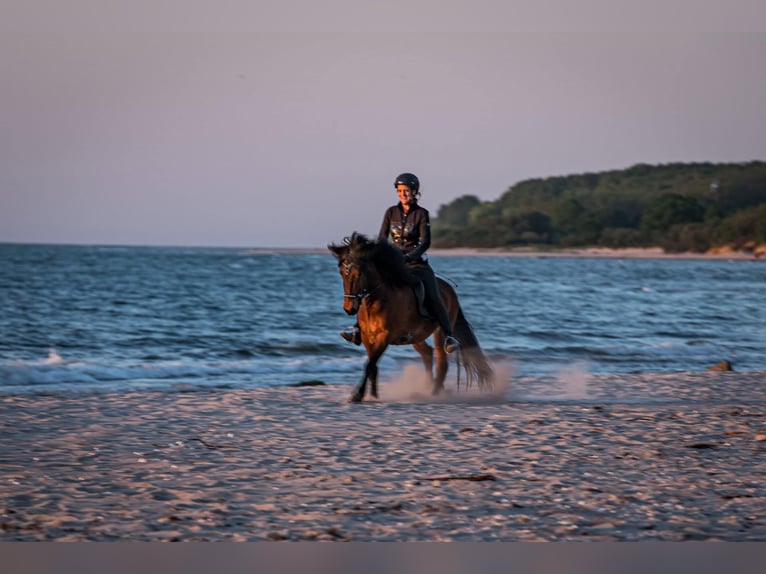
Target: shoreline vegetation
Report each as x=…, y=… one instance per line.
x=681, y=207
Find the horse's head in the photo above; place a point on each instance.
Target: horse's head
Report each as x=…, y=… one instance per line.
x=352, y=256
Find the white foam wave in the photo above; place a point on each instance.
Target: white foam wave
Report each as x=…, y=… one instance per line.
x=57, y=373
x=53, y=358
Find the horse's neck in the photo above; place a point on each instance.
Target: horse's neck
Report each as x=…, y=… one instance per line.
x=375, y=282
x=376, y=285
x=383, y=291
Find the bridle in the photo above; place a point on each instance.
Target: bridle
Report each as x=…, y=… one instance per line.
x=365, y=291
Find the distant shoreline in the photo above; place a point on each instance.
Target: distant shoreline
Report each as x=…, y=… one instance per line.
x=580, y=252
x=720, y=253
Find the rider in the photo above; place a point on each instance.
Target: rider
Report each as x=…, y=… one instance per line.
x=409, y=227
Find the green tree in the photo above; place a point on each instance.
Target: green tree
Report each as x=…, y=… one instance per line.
x=527, y=227
x=670, y=209
x=456, y=213
x=566, y=213
x=485, y=214
x=743, y=226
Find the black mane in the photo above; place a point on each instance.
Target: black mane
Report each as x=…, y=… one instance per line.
x=389, y=261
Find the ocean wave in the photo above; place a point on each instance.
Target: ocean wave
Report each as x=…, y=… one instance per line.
x=122, y=318
x=20, y=376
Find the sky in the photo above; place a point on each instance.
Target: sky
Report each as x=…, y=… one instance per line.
x=284, y=124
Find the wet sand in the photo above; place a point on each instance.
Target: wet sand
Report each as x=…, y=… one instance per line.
x=668, y=457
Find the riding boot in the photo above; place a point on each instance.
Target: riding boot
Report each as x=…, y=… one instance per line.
x=450, y=343
x=352, y=335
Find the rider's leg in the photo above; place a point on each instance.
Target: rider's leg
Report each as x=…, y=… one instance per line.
x=434, y=304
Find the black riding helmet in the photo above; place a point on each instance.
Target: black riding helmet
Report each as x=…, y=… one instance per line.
x=410, y=180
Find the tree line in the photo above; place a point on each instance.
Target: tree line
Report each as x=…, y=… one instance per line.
x=677, y=206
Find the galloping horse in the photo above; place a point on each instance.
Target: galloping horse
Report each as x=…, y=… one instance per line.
x=378, y=287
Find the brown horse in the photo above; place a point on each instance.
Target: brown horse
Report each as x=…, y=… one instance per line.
x=378, y=288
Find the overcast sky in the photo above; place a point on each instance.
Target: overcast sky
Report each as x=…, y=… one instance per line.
x=283, y=124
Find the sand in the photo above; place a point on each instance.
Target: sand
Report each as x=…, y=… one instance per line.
x=668, y=457
x=604, y=253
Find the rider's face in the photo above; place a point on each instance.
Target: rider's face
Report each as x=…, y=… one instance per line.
x=405, y=195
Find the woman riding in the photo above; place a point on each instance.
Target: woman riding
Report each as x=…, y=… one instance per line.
x=409, y=227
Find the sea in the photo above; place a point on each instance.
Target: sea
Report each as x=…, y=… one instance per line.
x=132, y=319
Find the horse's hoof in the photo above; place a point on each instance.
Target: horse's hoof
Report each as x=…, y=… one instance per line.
x=355, y=399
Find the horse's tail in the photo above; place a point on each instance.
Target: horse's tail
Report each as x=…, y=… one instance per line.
x=474, y=362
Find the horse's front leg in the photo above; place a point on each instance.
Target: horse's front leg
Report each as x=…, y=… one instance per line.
x=374, y=380
x=375, y=353
x=358, y=394
x=370, y=373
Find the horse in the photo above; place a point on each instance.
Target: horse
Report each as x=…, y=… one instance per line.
x=378, y=288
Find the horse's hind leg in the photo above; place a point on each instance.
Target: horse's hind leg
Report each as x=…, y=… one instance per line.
x=441, y=365
x=427, y=355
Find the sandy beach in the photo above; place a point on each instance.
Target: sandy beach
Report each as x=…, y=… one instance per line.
x=668, y=457
x=604, y=253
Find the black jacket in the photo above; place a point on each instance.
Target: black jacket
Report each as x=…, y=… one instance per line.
x=410, y=232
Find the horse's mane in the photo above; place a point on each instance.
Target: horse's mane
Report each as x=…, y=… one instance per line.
x=385, y=257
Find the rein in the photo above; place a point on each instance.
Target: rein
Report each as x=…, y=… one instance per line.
x=364, y=292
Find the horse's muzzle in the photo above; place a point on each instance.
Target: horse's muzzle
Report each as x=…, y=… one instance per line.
x=351, y=306
x=351, y=309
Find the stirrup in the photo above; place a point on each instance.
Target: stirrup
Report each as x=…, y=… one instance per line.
x=451, y=345
x=352, y=335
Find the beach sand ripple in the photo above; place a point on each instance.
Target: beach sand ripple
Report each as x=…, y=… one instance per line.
x=669, y=457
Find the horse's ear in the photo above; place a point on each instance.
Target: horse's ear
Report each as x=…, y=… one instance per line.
x=337, y=250
x=357, y=239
